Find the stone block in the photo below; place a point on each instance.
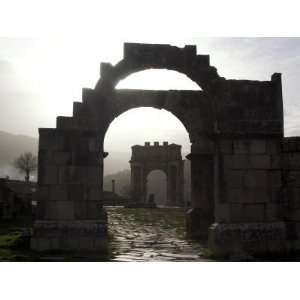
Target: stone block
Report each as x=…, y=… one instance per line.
x=93, y=210
x=86, y=243
x=294, y=214
x=256, y=179
x=43, y=244
x=73, y=175
x=94, y=145
x=95, y=193
x=275, y=180
x=46, y=157
x=248, y=195
x=50, y=175
x=258, y=146
x=249, y=146
x=76, y=192
x=42, y=193
x=292, y=196
x=226, y=146
x=54, y=243
x=254, y=212
x=259, y=161
x=70, y=243
x=234, y=178
x=65, y=210
x=241, y=146
x=59, y=210
x=203, y=146
x=62, y=158
x=58, y=193
x=293, y=178
x=236, y=212
x=79, y=109
x=272, y=212
x=222, y=213
x=238, y=161
x=294, y=161
x=197, y=223
x=93, y=175
x=80, y=210
x=276, y=162
x=276, y=196
x=51, y=140
x=203, y=191
x=100, y=244
x=65, y=122
x=273, y=147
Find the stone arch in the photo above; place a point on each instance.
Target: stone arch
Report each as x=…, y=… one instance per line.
x=139, y=57
x=235, y=128
x=165, y=157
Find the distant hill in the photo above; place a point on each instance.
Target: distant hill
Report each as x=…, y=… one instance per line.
x=116, y=161
x=12, y=145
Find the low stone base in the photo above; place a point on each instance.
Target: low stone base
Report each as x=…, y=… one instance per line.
x=197, y=224
x=83, y=235
x=247, y=238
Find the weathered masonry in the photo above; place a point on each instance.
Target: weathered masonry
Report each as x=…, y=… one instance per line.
x=245, y=175
x=166, y=158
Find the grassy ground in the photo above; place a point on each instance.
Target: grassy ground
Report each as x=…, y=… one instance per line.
x=15, y=240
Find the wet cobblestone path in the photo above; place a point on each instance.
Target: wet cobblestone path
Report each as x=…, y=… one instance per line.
x=138, y=234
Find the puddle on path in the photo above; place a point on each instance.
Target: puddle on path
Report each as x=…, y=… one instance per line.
x=139, y=234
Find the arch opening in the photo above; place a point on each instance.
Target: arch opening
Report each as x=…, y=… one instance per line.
x=136, y=127
x=158, y=79
x=157, y=186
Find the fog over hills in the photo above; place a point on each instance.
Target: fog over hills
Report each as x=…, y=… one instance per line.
x=11, y=146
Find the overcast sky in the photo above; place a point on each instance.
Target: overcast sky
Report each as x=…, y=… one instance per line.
x=40, y=79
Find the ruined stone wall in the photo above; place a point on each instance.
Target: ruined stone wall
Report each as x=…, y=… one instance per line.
x=70, y=214
x=290, y=201
x=69, y=174
x=235, y=128
x=249, y=180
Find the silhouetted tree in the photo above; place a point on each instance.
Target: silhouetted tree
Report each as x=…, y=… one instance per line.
x=26, y=163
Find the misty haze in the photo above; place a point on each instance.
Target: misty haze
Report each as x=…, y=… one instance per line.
x=186, y=150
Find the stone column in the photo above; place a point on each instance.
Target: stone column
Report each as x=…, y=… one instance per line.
x=247, y=209
x=201, y=215
x=137, y=182
x=180, y=184
x=175, y=184
x=70, y=212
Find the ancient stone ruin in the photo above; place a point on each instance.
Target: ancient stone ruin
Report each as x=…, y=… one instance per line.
x=245, y=175
x=163, y=157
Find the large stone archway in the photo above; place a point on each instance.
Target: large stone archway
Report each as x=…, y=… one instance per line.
x=163, y=157
x=236, y=132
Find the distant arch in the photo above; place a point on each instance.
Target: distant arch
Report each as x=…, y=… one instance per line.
x=165, y=157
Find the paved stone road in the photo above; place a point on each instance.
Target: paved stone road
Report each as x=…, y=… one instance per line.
x=151, y=235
